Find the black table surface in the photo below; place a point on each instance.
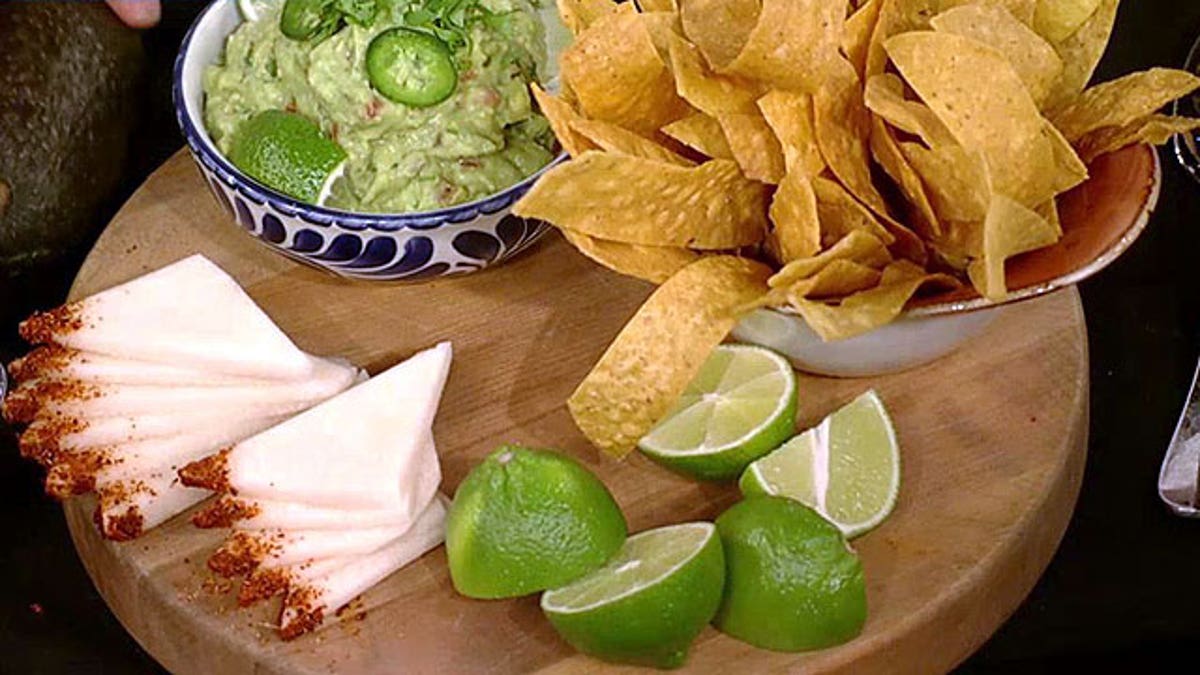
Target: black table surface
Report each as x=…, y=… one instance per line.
x=1121, y=594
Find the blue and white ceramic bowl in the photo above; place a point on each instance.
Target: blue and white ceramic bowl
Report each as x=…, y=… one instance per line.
x=455, y=240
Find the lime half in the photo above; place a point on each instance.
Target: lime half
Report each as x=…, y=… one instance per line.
x=847, y=468
x=791, y=581
x=526, y=520
x=648, y=603
x=740, y=406
x=289, y=153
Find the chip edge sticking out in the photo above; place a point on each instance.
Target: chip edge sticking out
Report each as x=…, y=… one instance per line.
x=660, y=350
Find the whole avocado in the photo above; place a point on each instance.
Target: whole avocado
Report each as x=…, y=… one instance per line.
x=69, y=73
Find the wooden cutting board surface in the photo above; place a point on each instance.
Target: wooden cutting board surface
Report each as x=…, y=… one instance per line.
x=993, y=440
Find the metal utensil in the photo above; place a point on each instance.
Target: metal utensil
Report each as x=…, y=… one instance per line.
x=1187, y=146
x=1179, y=479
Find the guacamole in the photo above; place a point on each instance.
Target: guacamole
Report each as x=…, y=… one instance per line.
x=482, y=138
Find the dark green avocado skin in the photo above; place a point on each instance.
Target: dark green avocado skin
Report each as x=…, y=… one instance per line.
x=69, y=77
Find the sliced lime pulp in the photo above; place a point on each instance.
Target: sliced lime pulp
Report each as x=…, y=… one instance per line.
x=649, y=602
x=739, y=407
x=847, y=468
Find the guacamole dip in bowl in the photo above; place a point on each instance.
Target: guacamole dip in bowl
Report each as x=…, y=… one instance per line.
x=378, y=139
x=482, y=137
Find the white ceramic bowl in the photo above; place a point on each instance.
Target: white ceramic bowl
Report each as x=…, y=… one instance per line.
x=906, y=343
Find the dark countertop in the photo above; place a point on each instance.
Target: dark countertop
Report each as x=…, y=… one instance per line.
x=1120, y=594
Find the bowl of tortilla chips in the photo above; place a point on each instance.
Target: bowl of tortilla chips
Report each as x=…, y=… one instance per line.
x=880, y=168
x=1100, y=220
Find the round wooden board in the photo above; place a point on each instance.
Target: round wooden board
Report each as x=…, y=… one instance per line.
x=993, y=439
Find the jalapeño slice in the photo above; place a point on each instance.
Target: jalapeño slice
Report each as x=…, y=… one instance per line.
x=307, y=19
x=411, y=67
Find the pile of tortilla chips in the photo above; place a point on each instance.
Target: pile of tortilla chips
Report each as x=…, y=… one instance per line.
x=864, y=150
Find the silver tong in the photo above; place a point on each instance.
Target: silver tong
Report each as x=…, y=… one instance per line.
x=1179, y=479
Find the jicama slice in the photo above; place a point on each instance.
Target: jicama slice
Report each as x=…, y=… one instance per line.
x=247, y=514
x=130, y=384
x=126, y=509
x=244, y=550
x=52, y=362
x=318, y=590
x=80, y=471
x=45, y=438
x=260, y=514
x=378, y=461
x=40, y=398
x=269, y=580
x=189, y=314
x=165, y=455
x=155, y=454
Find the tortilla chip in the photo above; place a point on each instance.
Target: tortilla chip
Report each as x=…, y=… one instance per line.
x=754, y=145
x=858, y=246
x=1069, y=168
x=794, y=45
x=642, y=201
x=797, y=230
x=838, y=278
x=840, y=213
x=648, y=6
x=1049, y=211
x=1057, y=20
x=655, y=264
x=560, y=114
x=956, y=180
x=856, y=36
x=959, y=244
x=896, y=17
x=662, y=26
x=1022, y=10
x=1081, y=54
x=719, y=27
x=902, y=16
x=613, y=138
x=702, y=133
x=790, y=116
x=867, y=310
x=707, y=91
x=843, y=128
x=1122, y=101
x=884, y=96
x=999, y=119
x=1034, y=59
x=1155, y=130
x=577, y=15
x=613, y=57
x=1010, y=230
x=886, y=150
x=661, y=350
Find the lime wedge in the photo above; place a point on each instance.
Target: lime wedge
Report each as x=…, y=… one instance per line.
x=740, y=406
x=253, y=10
x=847, y=468
x=288, y=152
x=647, y=604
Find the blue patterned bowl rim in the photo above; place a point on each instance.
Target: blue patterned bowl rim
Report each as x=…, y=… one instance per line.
x=320, y=215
